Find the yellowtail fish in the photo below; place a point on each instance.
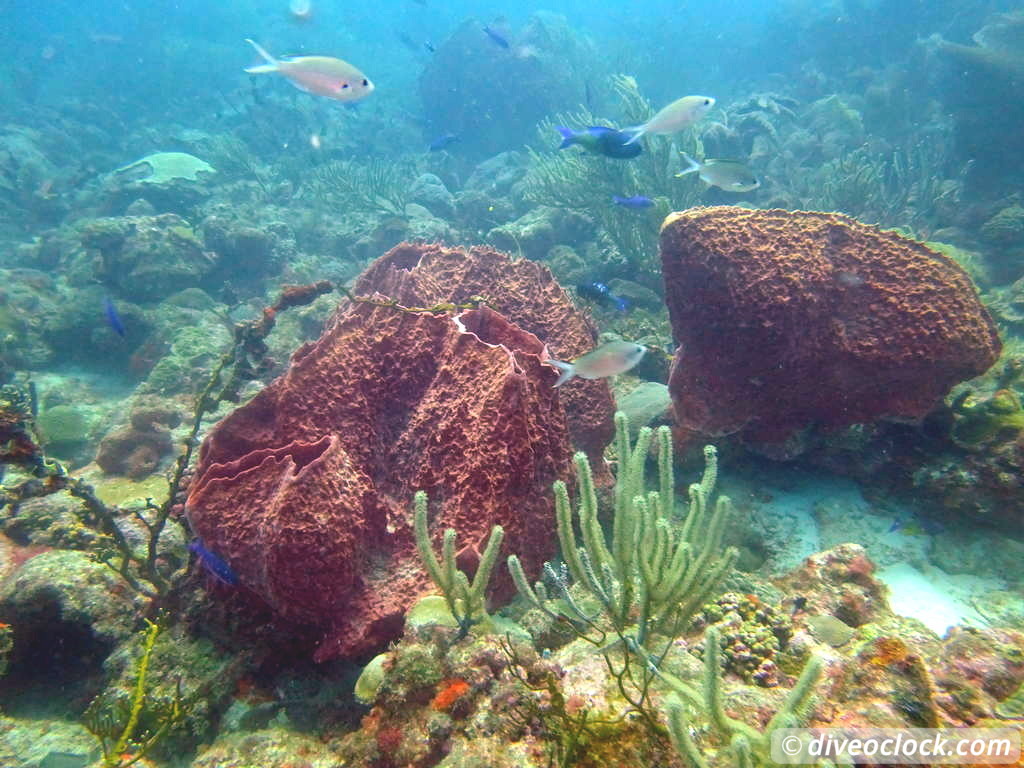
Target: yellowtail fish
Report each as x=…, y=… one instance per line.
x=681, y=113
x=320, y=75
x=730, y=175
x=606, y=360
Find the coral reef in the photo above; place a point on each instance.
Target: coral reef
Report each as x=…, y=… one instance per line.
x=465, y=600
x=794, y=320
x=137, y=450
x=305, y=490
x=751, y=633
x=171, y=182
x=148, y=257
x=842, y=583
x=978, y=87
x=535, y=73
x=633, y=593
x=747, y=745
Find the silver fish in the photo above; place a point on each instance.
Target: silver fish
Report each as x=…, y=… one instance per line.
x=730, y=175
x=606, y=360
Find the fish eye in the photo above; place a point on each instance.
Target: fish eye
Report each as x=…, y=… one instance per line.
x=707, y=102
x=344, y=86
x=365, y=82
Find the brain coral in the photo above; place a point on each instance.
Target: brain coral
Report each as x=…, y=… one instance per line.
x=791, y=319
x=306, y=490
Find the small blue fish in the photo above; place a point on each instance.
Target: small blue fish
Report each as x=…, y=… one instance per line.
x=636, y=201
x=600, y=293
x=498, y=38
x=113, y=319
x=442, y=142
x=215, y=564
x=429, y=46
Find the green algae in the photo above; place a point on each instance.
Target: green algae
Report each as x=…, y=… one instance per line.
x=371, y=678
x=118, y=491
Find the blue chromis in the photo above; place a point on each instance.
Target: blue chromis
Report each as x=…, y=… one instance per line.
x=213, y=563
x=609, y=359
x=113, y=318
x=443, y=142
x=600, y=293
x=601, y=140
x=636, y=201
x=730, y=175
x=496, y=37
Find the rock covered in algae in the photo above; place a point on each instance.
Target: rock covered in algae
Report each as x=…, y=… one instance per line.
x=792, y=319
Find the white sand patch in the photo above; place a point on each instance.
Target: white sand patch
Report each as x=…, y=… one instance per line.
x=935, y=598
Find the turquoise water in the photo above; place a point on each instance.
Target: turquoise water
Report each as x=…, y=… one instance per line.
x=157, y=201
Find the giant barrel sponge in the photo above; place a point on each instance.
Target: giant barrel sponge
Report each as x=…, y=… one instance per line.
x=306, y=491
x=793, y=319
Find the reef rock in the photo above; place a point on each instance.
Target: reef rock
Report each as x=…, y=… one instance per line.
x=306, y=491
x=147, y=257
x=494, y=94
x=788, y=320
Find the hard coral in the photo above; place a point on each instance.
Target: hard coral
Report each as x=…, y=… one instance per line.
x=788, y=320
x=840, y=582
x=307, y=489
x=135, y=451
x=753, y=634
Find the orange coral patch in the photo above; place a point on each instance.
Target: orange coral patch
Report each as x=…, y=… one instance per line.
x=450, y=692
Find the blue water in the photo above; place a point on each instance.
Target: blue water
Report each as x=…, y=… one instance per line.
x=907, y=114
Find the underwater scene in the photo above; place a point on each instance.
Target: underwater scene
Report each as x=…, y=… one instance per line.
x=531, y=385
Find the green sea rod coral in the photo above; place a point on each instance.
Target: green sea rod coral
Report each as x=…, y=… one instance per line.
x=748, y=746
x=465, y=600
x=115, y=724
x=654, y=575
x=631, y=594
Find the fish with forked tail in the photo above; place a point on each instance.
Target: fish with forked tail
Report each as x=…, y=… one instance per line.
x=609, y=359
x=319, y=75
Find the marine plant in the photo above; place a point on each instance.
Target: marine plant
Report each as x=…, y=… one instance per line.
x=115, y=723
x=586, y=183
x=904, y=188
x=366, y=186
x=466, y=600
x=232, y=157
x=747, y=745
x=631, y=594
